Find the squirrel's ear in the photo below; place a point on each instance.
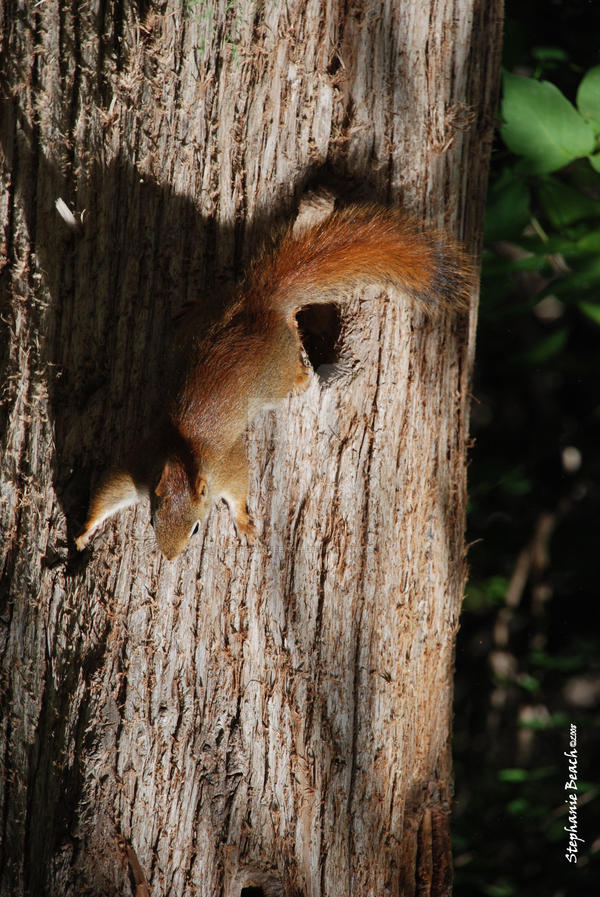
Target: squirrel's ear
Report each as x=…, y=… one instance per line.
x=161, y=489
x=199, y=488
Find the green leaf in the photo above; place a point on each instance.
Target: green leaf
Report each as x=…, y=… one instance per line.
x=588, y=788
x=585, y=278
x=548, y=56
x=541, y=125
x=595, y=161
x=570, y=664
x=582, y=177
x=486, y=594
x=588, y=96
x=547, y=348
x=555, y=830
x=591, y=310
x=556, y=720
x=500, y=889
x=518, y=806
x=513, y=775
x=563, y=205
x=543, y=772
x=529, y=683
x=575, y=243
x=589, y=242
x=504, y=266
x=515, y=481
x=507, y=212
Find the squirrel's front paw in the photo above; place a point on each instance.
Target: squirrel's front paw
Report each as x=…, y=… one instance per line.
x=302, y=380
x=82, y=538
x=246, y=527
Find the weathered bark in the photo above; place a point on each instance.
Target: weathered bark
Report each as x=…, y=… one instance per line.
x=277, y=716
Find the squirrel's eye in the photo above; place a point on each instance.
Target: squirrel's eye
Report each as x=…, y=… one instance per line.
x=196, y=528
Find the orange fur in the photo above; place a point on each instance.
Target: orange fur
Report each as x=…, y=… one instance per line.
x=251, y=359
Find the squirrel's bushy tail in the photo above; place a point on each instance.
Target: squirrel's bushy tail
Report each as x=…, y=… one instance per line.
x=361, y=245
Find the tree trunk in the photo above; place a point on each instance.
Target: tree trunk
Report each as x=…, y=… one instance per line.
x=274, y=718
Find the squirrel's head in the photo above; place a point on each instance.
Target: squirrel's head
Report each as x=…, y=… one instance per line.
x=179, y=505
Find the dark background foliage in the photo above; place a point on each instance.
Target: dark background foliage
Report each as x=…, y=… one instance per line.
x=528, y=663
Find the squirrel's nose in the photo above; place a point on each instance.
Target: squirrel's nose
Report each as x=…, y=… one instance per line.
x=169, y=552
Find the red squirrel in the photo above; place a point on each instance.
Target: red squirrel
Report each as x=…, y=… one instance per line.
x=252, y=358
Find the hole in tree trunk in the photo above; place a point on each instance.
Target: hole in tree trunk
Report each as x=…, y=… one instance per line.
x=252, y=892
x=320, y=327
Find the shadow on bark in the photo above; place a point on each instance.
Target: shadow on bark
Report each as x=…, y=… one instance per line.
x=138, y=252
